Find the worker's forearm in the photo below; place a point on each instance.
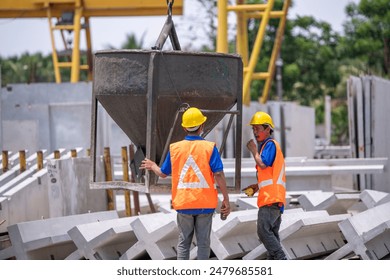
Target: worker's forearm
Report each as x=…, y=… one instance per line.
x=258, y=160
x=221, y=182
x=157, y=170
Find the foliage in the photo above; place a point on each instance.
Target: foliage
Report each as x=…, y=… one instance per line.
x=367, y=35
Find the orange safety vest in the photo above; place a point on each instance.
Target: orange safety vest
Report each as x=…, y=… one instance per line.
x=192, y=178
x=272, y=180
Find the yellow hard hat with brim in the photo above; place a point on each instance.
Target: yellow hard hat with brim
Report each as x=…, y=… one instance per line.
x=262, y=118
x=192, y=117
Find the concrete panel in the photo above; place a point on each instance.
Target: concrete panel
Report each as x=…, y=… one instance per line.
x=32, y=194
x=69, y=191
x=48, y=239
x=235, y=236
x=371, y=198
x=157, y=234
x=334, y=203
x=299, y=120
x=4, y=214
x=26, y=131
x=289, y=217
x=313, y=237
x=381, y=129
x=12, y=173
x=377, y=241
x=365, y=233
x=107, y=240
x=69, y=127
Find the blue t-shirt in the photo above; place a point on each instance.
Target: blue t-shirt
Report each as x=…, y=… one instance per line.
x=269, y=152
x=216, y=165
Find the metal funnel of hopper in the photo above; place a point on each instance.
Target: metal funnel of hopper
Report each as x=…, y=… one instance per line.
x=144, y=92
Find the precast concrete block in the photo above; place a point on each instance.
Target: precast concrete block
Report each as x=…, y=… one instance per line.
x=371, y=197
x=69, y=192
x=289, y=217
x=246, y=203
x=106, y=240
x=48, y=239
x=367, y=234
x=157, y=234
x=334, y=203
x=4, y=215
x=313, y=237
x=235, y=236
x=32, y=195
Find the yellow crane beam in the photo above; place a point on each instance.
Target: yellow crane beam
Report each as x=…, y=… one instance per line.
x=91, y=8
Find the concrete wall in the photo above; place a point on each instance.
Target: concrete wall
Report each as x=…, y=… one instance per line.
x=52, y=116
x=368, y=105
x=291, y=122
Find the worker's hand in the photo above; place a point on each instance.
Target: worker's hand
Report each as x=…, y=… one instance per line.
x=252, y=147
x=225, y=208
x=251, y=190
x=147, y=164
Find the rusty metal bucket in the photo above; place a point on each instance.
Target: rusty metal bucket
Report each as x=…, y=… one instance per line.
x=144, y=92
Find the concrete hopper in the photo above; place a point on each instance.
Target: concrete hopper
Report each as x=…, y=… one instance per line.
x=146, y=91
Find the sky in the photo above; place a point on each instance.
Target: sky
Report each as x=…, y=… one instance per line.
x=18, y=36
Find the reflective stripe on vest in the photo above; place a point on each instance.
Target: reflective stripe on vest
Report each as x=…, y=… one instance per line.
x=190, y=163
x=271, y=181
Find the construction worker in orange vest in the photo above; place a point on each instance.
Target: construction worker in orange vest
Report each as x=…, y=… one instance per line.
x=194, y=164
x=271, y=184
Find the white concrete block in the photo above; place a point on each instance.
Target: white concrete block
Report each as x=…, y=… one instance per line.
x=107, y=239
x=235, y=236
x=334, y=203
x=371, y=197
x=367, y=233
x=313, y=237
x=289, y=217
x=48, y=239
x=157, y=234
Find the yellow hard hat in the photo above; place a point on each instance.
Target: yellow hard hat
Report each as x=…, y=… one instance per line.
x=192, y=117
x=260, y=118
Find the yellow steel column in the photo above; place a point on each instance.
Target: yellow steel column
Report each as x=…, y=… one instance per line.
x=222, y=41
x=256, y=52
x=275, y=52
x=75, y=71
x=89, y=47
x=242, y=35
x=57, y=73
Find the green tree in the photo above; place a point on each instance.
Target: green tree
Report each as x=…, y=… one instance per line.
x=367, y=35
x=27, y=68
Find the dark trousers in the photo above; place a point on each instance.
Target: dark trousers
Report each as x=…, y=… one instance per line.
x=269, y=219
